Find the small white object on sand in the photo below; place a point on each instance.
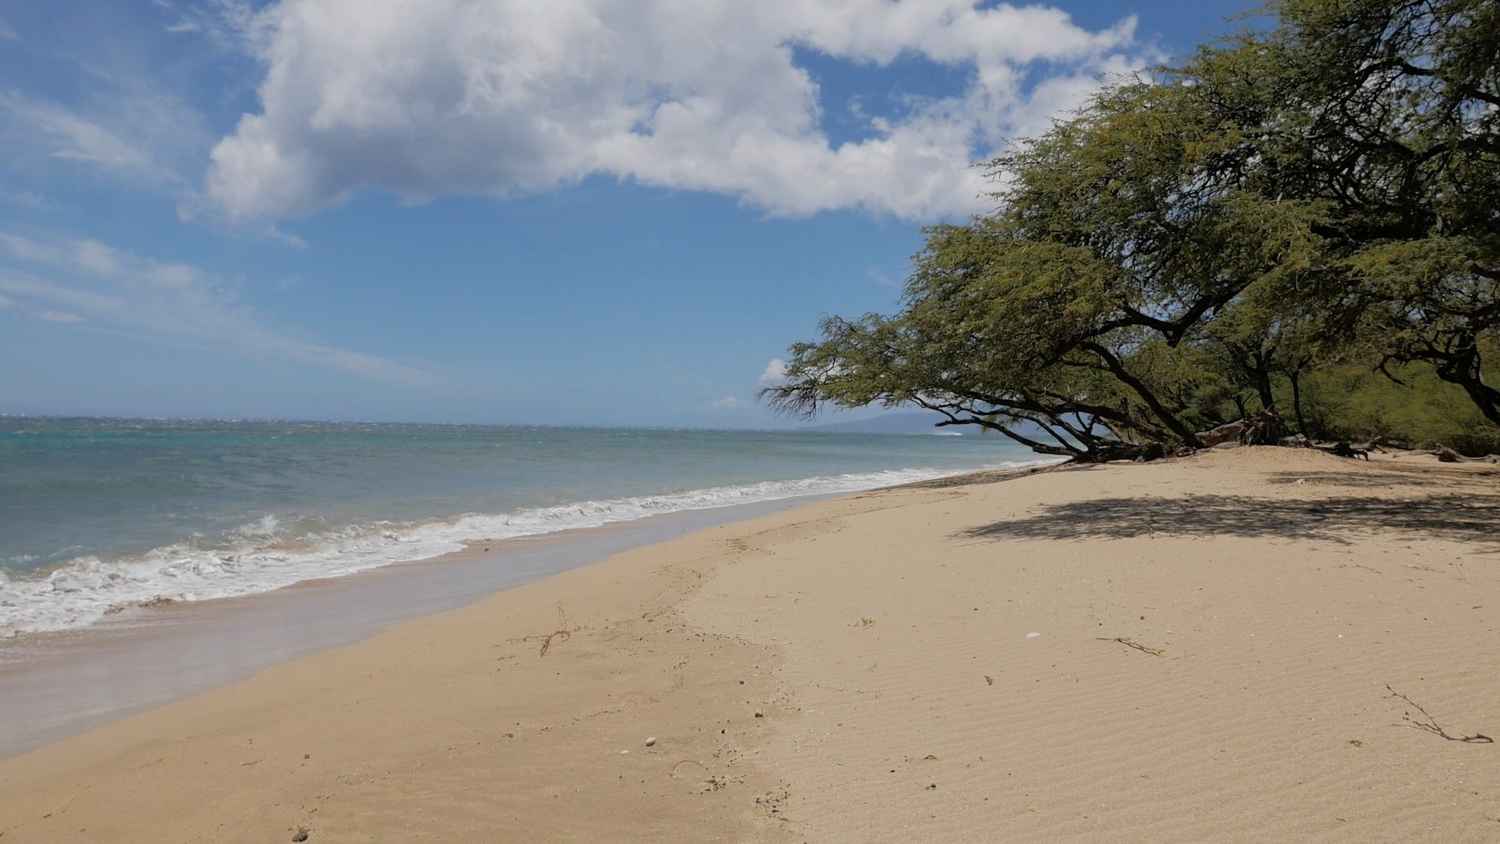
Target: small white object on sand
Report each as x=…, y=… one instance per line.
x=1033, y=635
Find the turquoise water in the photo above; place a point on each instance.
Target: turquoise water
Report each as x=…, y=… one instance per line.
x=100, y=514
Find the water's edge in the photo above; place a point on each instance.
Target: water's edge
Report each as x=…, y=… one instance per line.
x=61, y=684
x=88, y=591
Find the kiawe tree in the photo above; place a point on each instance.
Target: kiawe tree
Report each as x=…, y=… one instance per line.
x=1207, y=235
x=1388, y=112
x=1077, y=311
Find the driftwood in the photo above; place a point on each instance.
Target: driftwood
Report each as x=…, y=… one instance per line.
x=1343, y=449
x=1262, y=428
x=1445, y=454
x=1228, y=432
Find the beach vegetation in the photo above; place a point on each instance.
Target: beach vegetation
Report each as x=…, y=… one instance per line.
x=1298, y=223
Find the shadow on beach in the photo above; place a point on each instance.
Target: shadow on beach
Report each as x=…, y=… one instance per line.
x=1387, y=477
x=992, y=476
x=1473, y=518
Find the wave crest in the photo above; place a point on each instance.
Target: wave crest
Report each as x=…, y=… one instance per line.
x=265, y=555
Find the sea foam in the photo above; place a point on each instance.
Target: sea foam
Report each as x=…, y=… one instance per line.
x=264, y=555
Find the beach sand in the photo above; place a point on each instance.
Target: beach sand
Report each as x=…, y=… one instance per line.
x=1211, y=648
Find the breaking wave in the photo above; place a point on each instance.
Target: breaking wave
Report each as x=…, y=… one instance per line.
x=273, y=552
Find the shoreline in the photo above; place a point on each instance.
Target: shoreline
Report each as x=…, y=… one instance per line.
x=94, y=591
x=143, y=654
x=61, y=683
x=899, y=663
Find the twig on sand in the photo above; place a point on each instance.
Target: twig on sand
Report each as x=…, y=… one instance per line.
x=562, y=633
x=682, y=762
x=1131, y=643
x=559, y=633
x=1430, y=724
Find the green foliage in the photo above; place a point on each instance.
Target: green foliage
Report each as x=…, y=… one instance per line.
x=1289, y=212
x=1388, y=111
x=1355, y=404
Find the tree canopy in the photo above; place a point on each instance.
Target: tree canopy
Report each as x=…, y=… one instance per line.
x=1188, y=245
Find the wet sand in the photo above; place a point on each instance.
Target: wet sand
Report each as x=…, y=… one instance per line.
x=57, y=685
x=1245, y=645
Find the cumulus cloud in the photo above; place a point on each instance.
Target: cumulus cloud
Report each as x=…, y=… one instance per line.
x=430, y=97
x=774, y=373
x=72, y=280
x=727, y=403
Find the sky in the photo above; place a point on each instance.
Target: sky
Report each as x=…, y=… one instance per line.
x=605, y=212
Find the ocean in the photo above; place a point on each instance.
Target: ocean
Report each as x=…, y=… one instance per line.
x=100, y=515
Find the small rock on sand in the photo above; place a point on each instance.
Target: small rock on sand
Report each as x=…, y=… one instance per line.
x=651, y=742
x=301, y=834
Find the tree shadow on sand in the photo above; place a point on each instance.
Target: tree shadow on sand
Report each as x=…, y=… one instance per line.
x=1388, y=478
x=991, y=476
x=1472, y=518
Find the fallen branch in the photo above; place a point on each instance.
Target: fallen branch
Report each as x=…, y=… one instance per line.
x=1343, y=449
x=1131, y=643
x=1431, y=725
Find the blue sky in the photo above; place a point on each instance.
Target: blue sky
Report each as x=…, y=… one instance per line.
x=586, y=211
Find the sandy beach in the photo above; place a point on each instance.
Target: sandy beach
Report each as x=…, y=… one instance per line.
x=1253, y=644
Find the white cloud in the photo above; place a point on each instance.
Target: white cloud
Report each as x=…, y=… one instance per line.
x=432, y=97
x=74, y=137
x=284, y=237
x=60, y=316
x=131, y=132
x=8, y=32
x=727, y=403
x=774, y=374
x=160, y=299
x=231, y=25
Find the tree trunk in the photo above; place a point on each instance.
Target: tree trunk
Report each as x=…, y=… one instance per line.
x=1296, y=378
x=1104, y=452
x=1464, y=369
x=1485, y=397
x=1165, y=416
x=1262, y=376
